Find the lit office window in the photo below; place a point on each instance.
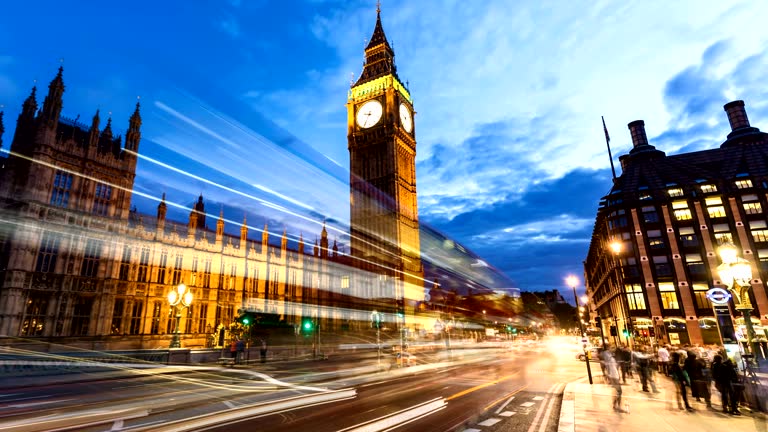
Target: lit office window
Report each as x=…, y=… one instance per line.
x=708, y=188
x=644, y=197
x=760, y=235
x=635, y=297
x=715, y=207
x=344, y=282
x=688, y=237
x=668, y=295
x=700, y=296
x=722, y=233
x=681, y=210
x=752, y=208
x=675, y=192
x=743, y=184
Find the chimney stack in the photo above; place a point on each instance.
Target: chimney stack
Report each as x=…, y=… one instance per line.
x=637, y=129
x=737, y=115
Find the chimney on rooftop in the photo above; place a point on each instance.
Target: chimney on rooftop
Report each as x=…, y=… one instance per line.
x=637, y=129
x=737, y=115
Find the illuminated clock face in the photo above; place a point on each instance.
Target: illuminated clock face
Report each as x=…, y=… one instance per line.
x=405, y=118
x=369, y=114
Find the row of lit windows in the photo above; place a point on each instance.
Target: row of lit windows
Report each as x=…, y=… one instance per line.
x=709, y=188
x=668, y=296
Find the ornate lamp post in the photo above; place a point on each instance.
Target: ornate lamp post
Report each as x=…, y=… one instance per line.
x=179, y=298
x=736, y=273
x=572, y=281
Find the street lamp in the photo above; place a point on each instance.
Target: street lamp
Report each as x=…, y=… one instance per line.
x=736, y=273
x=179, y=297
x=572, y=281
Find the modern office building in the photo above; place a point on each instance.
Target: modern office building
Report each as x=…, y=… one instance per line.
x=669, y=214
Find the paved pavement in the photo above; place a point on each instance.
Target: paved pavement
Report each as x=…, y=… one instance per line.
x=588, y=407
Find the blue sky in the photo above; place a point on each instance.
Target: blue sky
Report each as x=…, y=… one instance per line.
x=250, y=96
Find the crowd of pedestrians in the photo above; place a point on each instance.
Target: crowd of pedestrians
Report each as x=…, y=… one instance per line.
x=694, y=371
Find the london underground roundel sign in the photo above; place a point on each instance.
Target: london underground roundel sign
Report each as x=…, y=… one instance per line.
x=718, y=296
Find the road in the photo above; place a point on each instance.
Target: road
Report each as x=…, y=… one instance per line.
x=483, y=390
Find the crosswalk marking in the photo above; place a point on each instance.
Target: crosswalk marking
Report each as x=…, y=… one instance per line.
x=490, y=422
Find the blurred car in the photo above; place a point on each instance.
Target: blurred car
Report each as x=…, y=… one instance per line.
x=592, y=352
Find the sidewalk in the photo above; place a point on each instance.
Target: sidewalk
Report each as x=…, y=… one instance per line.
x=588, y=408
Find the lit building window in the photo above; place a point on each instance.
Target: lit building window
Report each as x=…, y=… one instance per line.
x=762, y=254
x=34, y=314
x=700, y=296
x=722, y=233
x=708, y=188
x=743, y=184
x=101, y=199
x=753, y=208
x=675, y=192
x=344, y=282
x=668, y=295
x=62, y=185
x=681, y=210
x=715, y=207
x=635, y=297
x=760, y=235
x=645, y=196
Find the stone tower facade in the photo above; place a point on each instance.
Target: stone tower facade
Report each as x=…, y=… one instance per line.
x=381, y=138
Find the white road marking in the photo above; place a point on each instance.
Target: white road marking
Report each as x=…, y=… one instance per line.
x=538, y=398
x=471, y=430
x=117, y=425
x=507, y=413
x=489, y=422
x=25, y=405
x=229, y=404
x=527, y=404
x=545, y=419
x=504, y=405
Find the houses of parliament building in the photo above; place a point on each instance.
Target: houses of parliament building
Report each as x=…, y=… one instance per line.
x=79, y=267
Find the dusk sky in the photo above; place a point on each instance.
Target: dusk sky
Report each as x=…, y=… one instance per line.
x=249, y=98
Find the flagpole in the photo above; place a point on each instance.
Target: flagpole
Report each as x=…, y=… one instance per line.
x=608, y=143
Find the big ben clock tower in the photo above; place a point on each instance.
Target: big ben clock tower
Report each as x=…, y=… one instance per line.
x=382, y=150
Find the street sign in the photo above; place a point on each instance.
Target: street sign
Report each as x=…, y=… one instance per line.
x=718, y=296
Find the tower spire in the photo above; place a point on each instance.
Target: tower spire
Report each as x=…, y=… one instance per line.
x=133, y=136
x=54, y=100
x=379, y=55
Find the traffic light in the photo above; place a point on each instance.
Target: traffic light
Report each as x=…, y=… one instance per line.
x=625, y=332
x=307, y=325
x=514, y=330
x=375, y=320
x=400, y=309
x=245, y=317
x=613, y=330
x=597, y=321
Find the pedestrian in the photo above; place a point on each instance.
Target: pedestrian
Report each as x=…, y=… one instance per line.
x=623, y=358
x=233, y=349
x=681, y=379
x=663, y=359
x=612, y=374
x=240, y=351
x=642, y=361
x=263, y=351
x=724, y=375
x=693, y=370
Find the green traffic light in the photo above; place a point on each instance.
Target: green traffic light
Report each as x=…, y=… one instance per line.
x=307, y=325
x=246, y=321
